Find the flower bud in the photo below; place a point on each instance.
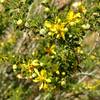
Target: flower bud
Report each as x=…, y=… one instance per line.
x=46, y=9
x=19, y=22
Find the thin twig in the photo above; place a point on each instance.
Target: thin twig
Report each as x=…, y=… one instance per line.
x=86, y=75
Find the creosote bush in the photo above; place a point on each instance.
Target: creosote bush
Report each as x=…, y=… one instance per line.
x=55, y=59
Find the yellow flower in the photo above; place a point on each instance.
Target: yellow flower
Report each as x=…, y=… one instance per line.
x=70, y=15
x=51, y=50
x=57, y=28
x=73, y=17
x=31, y=65
x=41, y=77
x=54, y=28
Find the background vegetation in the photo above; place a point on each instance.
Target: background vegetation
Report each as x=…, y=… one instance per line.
x=49, y=50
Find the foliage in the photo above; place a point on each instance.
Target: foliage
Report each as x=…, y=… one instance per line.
x=44, y=45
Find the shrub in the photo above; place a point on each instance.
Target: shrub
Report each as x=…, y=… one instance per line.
x=55, y=58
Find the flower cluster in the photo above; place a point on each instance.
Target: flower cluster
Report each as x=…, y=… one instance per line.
x=59, y=28
x=55, y=56
x=56, y=28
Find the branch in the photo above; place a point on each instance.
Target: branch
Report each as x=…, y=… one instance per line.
x=86, y=75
